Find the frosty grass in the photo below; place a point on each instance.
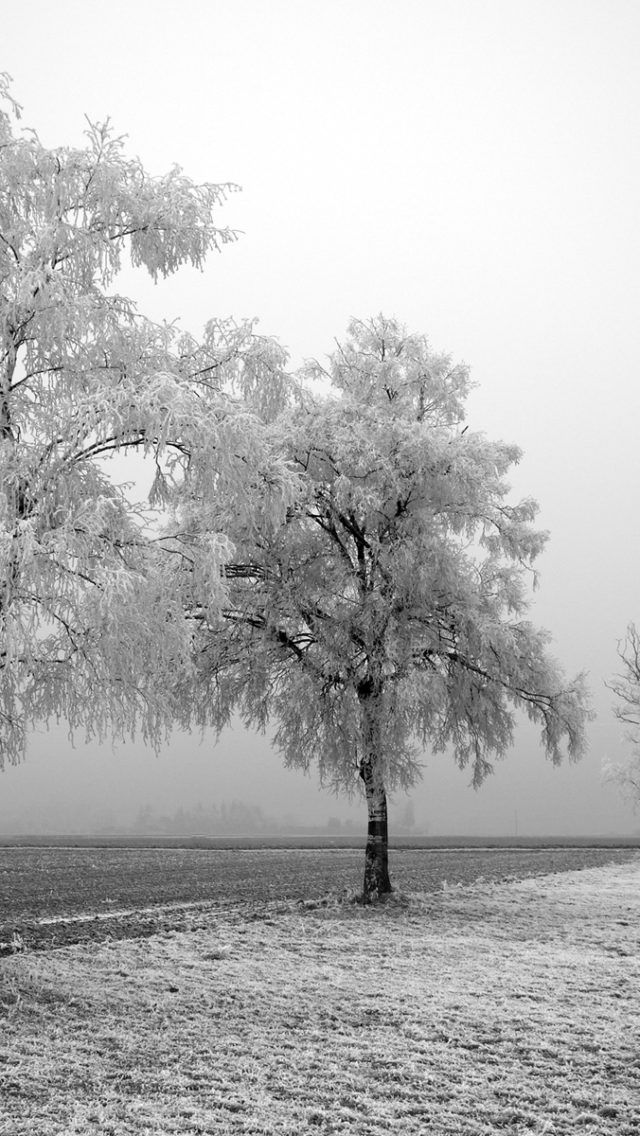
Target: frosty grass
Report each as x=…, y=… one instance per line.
x=509, y=1008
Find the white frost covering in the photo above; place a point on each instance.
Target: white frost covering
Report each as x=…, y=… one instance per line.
x=506, y=1007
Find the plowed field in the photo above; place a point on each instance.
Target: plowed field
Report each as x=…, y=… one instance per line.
x=52, y=896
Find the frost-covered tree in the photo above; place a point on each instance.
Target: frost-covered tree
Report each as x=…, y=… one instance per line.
x=385, y=612
x=626, y=687
x=85, y=617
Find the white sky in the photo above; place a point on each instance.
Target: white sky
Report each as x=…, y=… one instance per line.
x=470, y=167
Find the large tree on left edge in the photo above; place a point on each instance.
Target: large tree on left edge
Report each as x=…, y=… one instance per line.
x=85, y=619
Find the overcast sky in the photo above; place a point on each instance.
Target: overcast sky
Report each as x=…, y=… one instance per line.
x=469, y=166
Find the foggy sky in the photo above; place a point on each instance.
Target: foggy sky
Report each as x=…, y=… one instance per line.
x=470, y=168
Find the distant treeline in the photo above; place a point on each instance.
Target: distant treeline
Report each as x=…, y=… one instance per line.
x=235, y=818
x=240, y=818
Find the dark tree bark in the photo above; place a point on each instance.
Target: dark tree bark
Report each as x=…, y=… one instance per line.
x=376, y=866
x=376, y=858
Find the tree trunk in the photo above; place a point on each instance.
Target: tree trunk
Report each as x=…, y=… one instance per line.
x=376, y=857
x=376, y=864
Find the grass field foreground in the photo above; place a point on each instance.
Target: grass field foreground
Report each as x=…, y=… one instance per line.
x=511, y=1008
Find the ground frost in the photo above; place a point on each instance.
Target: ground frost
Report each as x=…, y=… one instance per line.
x=492, y=1008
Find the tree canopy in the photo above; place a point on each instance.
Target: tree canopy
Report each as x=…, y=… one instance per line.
x=626, y=687
x=83, y=377
x=385, y=611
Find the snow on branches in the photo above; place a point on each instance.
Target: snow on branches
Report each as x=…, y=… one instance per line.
x=626, y=687
x=398, y=573
x=90, y=622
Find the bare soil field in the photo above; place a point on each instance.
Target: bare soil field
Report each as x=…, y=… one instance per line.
x=50, y=896
x=489, y=1007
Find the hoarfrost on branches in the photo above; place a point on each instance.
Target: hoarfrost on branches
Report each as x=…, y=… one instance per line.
x=626, y=687
x=385, y=611
x=90, y=625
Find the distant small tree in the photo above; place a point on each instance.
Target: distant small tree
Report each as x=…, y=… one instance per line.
x=383, y=612
x=626, y=687
x=84, y=613
x=407, y=819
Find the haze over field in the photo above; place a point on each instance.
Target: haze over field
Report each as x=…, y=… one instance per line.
x=473, y=170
